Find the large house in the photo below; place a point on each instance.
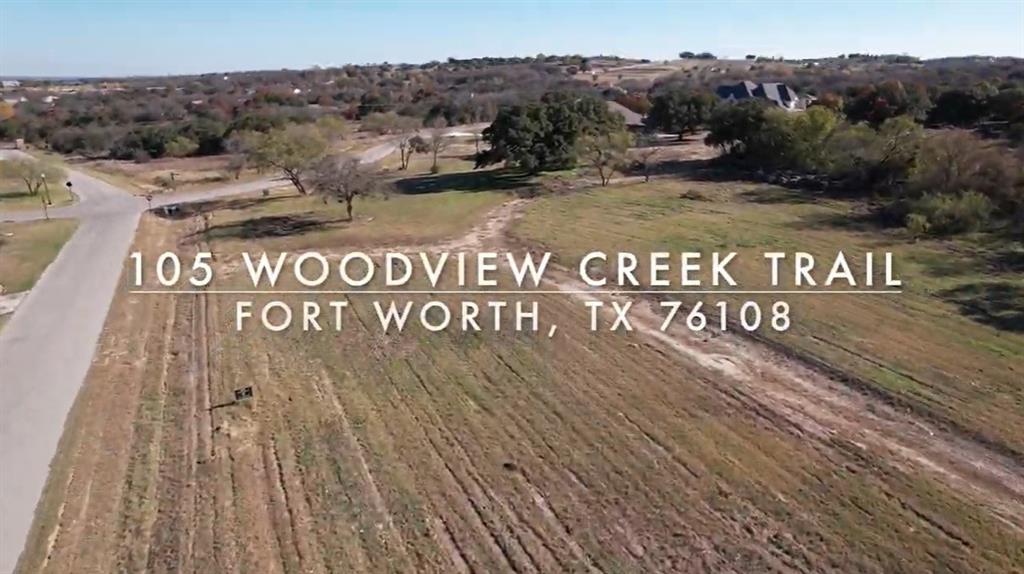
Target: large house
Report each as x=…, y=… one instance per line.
x=775, y=92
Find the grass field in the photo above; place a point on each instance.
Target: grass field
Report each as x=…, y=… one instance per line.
x=14, y=196
x=502, y=452
x=26, y=249
x=948, y=347
x=285, y=221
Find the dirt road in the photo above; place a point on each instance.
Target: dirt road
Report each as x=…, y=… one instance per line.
x=48, y=345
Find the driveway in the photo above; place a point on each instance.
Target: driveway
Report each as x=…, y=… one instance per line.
x=48, y=344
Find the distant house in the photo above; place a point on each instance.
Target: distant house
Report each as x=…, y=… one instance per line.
x=775, y=92
x=633, y=120
x=11, y=84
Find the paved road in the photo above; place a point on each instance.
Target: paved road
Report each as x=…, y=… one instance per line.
x=48, y=344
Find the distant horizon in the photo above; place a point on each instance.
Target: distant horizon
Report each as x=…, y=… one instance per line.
x=339, y=66
x=159, y=38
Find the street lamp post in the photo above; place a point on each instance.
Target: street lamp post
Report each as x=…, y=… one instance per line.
x=46, y=187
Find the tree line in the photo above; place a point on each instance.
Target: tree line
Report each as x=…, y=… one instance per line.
x=932, y=181
x=143, y=119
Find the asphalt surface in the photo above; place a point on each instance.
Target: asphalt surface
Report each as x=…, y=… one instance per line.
x=48, y=344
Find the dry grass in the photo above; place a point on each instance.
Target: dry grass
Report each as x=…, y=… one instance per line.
x=949, y=347
x=705, y=69
x=285, y=221
x=453, y=452
x=154, y=177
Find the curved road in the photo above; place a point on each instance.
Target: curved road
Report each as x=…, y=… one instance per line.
x=48, y=344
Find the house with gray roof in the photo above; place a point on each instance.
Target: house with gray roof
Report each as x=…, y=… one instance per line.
x=775, y=92
x=633, y=120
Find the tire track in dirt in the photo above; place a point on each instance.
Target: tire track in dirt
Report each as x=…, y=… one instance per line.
x=203, y=546
x=136, y=523
x=195, y=381
x=329, y=538
x=267, y=536
x=305, y=508
x=800, y=392
x=169, y=531
x=444, y=538
x=471, y=511
x=608, y=408
x=807, y=399
x=563, y=483
x=560, y=477
x=324, y=388
x=477, y=484
x=284, y=517
x=551, y=554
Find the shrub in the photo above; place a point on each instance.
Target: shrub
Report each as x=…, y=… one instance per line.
x=947, y=214
x=918, y=225
x=181, y=146
x=955, y=161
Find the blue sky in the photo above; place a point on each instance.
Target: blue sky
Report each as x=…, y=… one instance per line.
x=69, y=38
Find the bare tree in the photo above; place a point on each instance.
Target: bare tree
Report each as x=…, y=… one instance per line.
x=239, y=145
x=36, y=175
x=343, y=178
x=437, y=141
x=605, y=152
x=403, y=127
x=647, y=153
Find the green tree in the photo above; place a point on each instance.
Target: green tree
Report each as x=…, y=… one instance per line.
x=1007, y=105
x=181, y=146
x=876, y=103
x=811, y=132
x=543, y=135
x=294, y=151
x=957, y=108
x=875, y=160
x=731, y=128
x=680, y=111
x=333, y=128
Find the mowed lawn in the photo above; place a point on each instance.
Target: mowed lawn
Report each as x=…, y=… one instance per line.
x=951, y=346
x=26, y=249
x=15, y=196
x=286, y=221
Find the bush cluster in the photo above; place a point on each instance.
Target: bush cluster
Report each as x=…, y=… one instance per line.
x=942, y=182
